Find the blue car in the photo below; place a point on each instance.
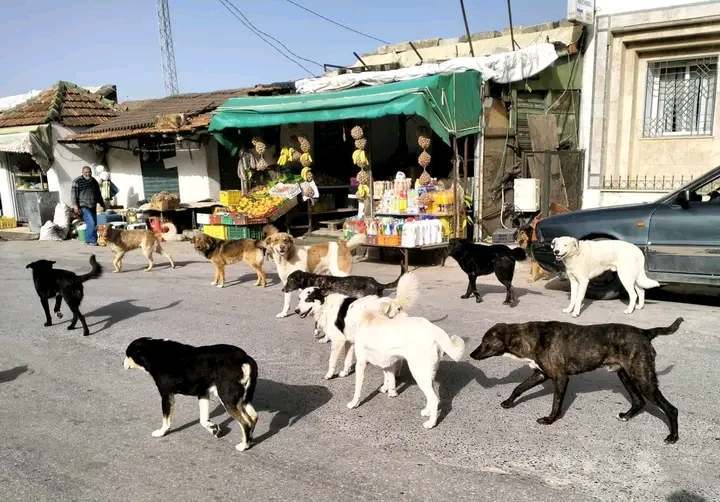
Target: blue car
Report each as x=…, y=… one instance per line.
x=679, y=234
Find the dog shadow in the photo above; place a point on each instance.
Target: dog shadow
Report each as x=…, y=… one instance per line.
x=250, y=278
x=518, y=293
x=685, y=496
x=585, y=383
x=12, y=373
x=122, y=310
x=184, y=263
x=290, y=403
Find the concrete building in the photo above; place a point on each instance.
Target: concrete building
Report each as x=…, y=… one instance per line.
x=649, y=116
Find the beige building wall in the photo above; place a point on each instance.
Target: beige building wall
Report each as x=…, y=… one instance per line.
x=627, y=151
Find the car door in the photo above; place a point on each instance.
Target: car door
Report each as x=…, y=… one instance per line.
x=684, y=234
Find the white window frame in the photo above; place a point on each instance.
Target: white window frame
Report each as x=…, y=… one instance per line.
x=702, y=121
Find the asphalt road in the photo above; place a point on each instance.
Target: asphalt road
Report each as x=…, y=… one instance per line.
x=76, y=426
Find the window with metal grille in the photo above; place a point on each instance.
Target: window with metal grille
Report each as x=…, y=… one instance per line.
x=680, y=97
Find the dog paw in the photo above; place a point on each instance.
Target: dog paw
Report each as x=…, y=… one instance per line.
x=324, y=339
x=49, y=323
x=576, y=314
x=281, y=315
x=59, y=315
x=220, y=286
x=424, y=412
x=242, y=446
x=383, y=388
x=567, y=310
x=622, y=417
x=545, y=420
x=352, y=404
x=392, y=393
x=86, y=333
x=214, y=283
x=430, y=423
x=158, y=433
x=478, y=299
x=343, y=373
x=71, y=327
x=329, y=376
x=671, y=439
x=628, y=311
x=212, y=428
x=464, y=297
x=507, y=404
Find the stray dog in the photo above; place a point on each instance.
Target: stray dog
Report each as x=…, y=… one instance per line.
x=224, y=370
x=585, y=260
x=222, y=253
x=55, y=282
x=557, y=350
x=330, y=311
x=480, y=259
x=121, y=241
x=351, y=285
x=333, y=258
x=386, y=342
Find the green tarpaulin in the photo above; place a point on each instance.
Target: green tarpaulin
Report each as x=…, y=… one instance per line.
x=451, y=103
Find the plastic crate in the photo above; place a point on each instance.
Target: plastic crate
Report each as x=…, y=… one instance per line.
x=237, y=232
x=203, y=218
x=217, y=231
x=8, y=222
x=230, y=197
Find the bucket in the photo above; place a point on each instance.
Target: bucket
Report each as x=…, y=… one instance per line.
x=81, y=229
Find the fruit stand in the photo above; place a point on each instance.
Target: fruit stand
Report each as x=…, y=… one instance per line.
x=242, y=216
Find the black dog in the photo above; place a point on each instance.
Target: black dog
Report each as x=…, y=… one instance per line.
x=480, y=259
x=351, y=285
x=177, y=368
x=559, y=349
x=55, y=282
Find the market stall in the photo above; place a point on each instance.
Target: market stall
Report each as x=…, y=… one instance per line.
x=394, y=211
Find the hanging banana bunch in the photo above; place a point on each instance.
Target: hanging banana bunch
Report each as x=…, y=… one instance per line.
x=360, y=159
x=287, y=156
x=424, y=141
x=305, y=158
x=259, y=146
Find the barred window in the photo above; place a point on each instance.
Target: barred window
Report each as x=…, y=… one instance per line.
x=680, y=97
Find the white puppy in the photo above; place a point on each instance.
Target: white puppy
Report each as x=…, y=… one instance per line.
x=330, y=311
x=585, y=260
x=386, y=342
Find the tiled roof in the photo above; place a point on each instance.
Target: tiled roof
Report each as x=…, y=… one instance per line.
x=65, y=103
x=138, y=118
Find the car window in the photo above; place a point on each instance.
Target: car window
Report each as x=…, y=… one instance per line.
x=709, y=192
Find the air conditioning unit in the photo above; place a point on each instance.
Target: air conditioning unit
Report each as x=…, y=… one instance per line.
x=527, y=194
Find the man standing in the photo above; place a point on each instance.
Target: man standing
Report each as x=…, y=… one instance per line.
x=85, y=197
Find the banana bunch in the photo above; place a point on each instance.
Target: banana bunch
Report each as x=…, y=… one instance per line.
x=306, y=160
x=359, y=158
x=363, y=192
x=306, y=174
x=287, y=155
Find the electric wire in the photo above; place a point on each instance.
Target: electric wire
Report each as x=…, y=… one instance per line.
x=300, y=6
x=229, y=7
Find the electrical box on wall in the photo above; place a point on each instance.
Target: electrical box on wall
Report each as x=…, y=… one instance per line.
x=527, y=194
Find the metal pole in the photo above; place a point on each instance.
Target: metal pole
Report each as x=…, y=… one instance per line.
x=467, y=29
x=456, y=175
x=512, y=35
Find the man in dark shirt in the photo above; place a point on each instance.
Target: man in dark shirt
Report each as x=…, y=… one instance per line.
x=85, y=197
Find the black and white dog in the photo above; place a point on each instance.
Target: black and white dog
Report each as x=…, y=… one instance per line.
x=224, y=370
x=351, y=285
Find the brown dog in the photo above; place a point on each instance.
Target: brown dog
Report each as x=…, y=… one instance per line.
x=222, y=253
x=121, y=241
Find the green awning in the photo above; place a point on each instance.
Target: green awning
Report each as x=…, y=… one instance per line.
x=451, y=104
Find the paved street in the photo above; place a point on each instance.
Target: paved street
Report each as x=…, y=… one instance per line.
x=76, y=425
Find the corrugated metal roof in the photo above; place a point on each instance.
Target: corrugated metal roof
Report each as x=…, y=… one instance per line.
x=65, y=103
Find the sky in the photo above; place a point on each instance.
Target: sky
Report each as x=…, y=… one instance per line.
x=93, y=42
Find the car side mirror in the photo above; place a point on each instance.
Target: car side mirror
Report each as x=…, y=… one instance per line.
x=683, y=199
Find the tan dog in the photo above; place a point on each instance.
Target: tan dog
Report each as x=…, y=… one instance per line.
x=222, y=253
x=121, y=241
x=525, y=238
x=332, y=258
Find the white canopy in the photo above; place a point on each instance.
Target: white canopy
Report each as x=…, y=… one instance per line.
x=16, y=139
x=503, y=68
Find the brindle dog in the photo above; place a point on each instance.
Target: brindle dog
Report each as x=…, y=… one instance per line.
x=557, y=350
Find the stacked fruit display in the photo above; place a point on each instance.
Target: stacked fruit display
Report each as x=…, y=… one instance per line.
x=257, y=204
x=424, y=158
x=360, y=159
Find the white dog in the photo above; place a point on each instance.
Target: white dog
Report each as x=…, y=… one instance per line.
x=387, y=341
x=330, y=312
x=585, y=260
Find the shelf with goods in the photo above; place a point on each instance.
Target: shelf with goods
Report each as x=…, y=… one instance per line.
x=407, y=215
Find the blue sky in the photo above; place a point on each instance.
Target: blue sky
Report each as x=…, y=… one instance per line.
x=92, y=42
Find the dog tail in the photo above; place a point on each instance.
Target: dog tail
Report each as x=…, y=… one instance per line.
x=645, y=282
x=355, y=241
x=249, y=379
x=453, y=346
x=407, y=290
x=95, y=272
x=391, y=285
x=518, y=254
x=269, y=230
x=669, y=330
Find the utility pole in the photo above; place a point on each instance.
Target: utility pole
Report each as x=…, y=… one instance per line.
x=167, y=50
